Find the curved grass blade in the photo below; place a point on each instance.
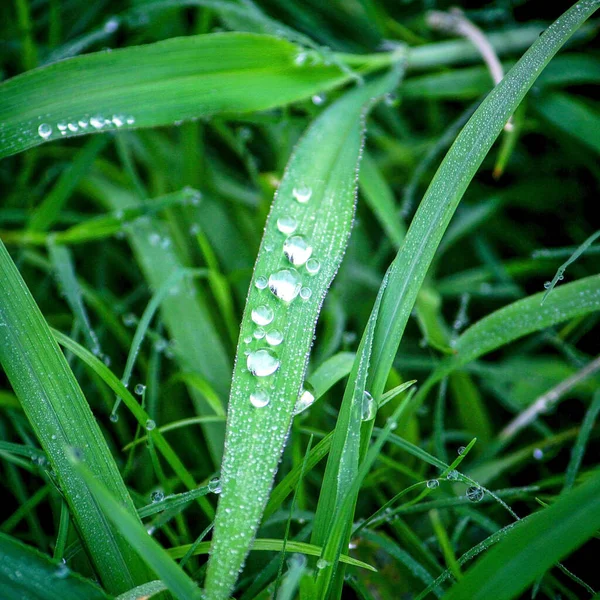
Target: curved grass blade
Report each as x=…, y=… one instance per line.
x=26, y=573
x=148, y=549
x=158, y=84
x=533, y=546
x=61, y=419
x=408, y=269
x=317, y=195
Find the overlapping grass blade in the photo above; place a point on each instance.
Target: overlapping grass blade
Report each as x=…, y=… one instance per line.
x=62, y=419
x=533, y=546
x=26, y=573
x=158, y=84
x=408, y=269
x=318, y=191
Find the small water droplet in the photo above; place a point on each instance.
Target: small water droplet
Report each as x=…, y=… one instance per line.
x=452, y=475
x=432, y=484
x=111, y=25
x=263, y=315
x=305, y=399
x=214, y=485
x=130, y=120
x=475, y=494
x=129, y=320
x=300, y=58
x=312, y=266
x=274, y=337
x=157, y=496
x=83, y=123
x=62, y=126
x=45, y=130
x=322, y=563
x=302, y=193
x=538, y=454
x=262, y=362
x=73, y=127
x=287, y=224
x=118, y=120
x=461, y=450
x=114, y=417
x=62, y=571
x=547, y=285
x=319, y=99
x=259, y=333
x=139, y=389
x=150, y=425
x=261, y=282
x=97, y=122
x=259, y=398
x=247, y=339
x=297, y=250
x=305, y=293
x=285, y=284
x=369, y=409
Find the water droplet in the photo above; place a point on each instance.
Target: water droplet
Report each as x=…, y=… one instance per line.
x=73, y=127
x=62, y=127
x=302, y=193
x=130, y=120
x=432, y=484
x=111, y=25
x=62, y=571
x=274, y=337
x=287, y=224
x=452, y=475
x=390, y=99
x=214, y=485
x=262, y=315
x=157, y=496
x=247, y=339
x=305, y=293
x=83, y=123
x=259, y=398
x=114, y=417
x=150, y=425
x=305, y=399
x=97, y=122
x=139, y=389
x=369, y=408
x=300, y=58
x=261, y=282
x=461, y=450
x=319, y=99
x=262, y=362
x=129, y=320
x=321, y=563
x=538, y=454
x=259, y=333
x=285, y=284
x=313, y=266
x=118, y=120
x=475, y=494
x=297, y=250
x=547, y=285
x=45, y=130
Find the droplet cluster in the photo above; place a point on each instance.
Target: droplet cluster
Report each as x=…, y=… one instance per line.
x=93, y=123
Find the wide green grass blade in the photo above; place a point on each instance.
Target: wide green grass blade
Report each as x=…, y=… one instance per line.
x=158, y=84
x=318, y=191
x=408, y=269
x=27, y=574
x=62, y=419
x=147, y=547
x=532, y=547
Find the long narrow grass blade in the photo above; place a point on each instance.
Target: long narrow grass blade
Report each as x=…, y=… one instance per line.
x=158, y=84
x=533, y=546
x=408, y=269
x=25, y=573
x=317, y=197
x=61, y=419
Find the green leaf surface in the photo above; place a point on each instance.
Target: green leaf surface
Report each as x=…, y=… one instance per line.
x=532, y=547
x=53, y=403
x=27, y=574
x=318, y=191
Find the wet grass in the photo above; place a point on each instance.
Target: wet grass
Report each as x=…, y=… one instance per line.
x=213, y=312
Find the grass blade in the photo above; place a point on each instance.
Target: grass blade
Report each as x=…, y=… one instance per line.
x=53, y=402
x=533, y=546
x=317, y=192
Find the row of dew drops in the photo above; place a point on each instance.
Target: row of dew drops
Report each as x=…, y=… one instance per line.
x=97, y=122
x=286, y=285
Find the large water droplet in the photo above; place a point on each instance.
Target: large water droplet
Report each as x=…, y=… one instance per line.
x=287, y=224
x=97, y=122
x=313, y=266
x=262, y=362
x=259, y=399
x=305, y=293
x=369, y=409
x=297, y=250
x=261, y=282
x=475, y=494
x=306, y=398
x=461, y=450
x=157, y=496
x=432, y=484
x=302, y=193
x=262, y=315
x=45, y=130
x=285, y=284
x=274, y=337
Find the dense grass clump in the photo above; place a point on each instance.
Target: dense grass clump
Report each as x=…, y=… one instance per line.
x=314, y=311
